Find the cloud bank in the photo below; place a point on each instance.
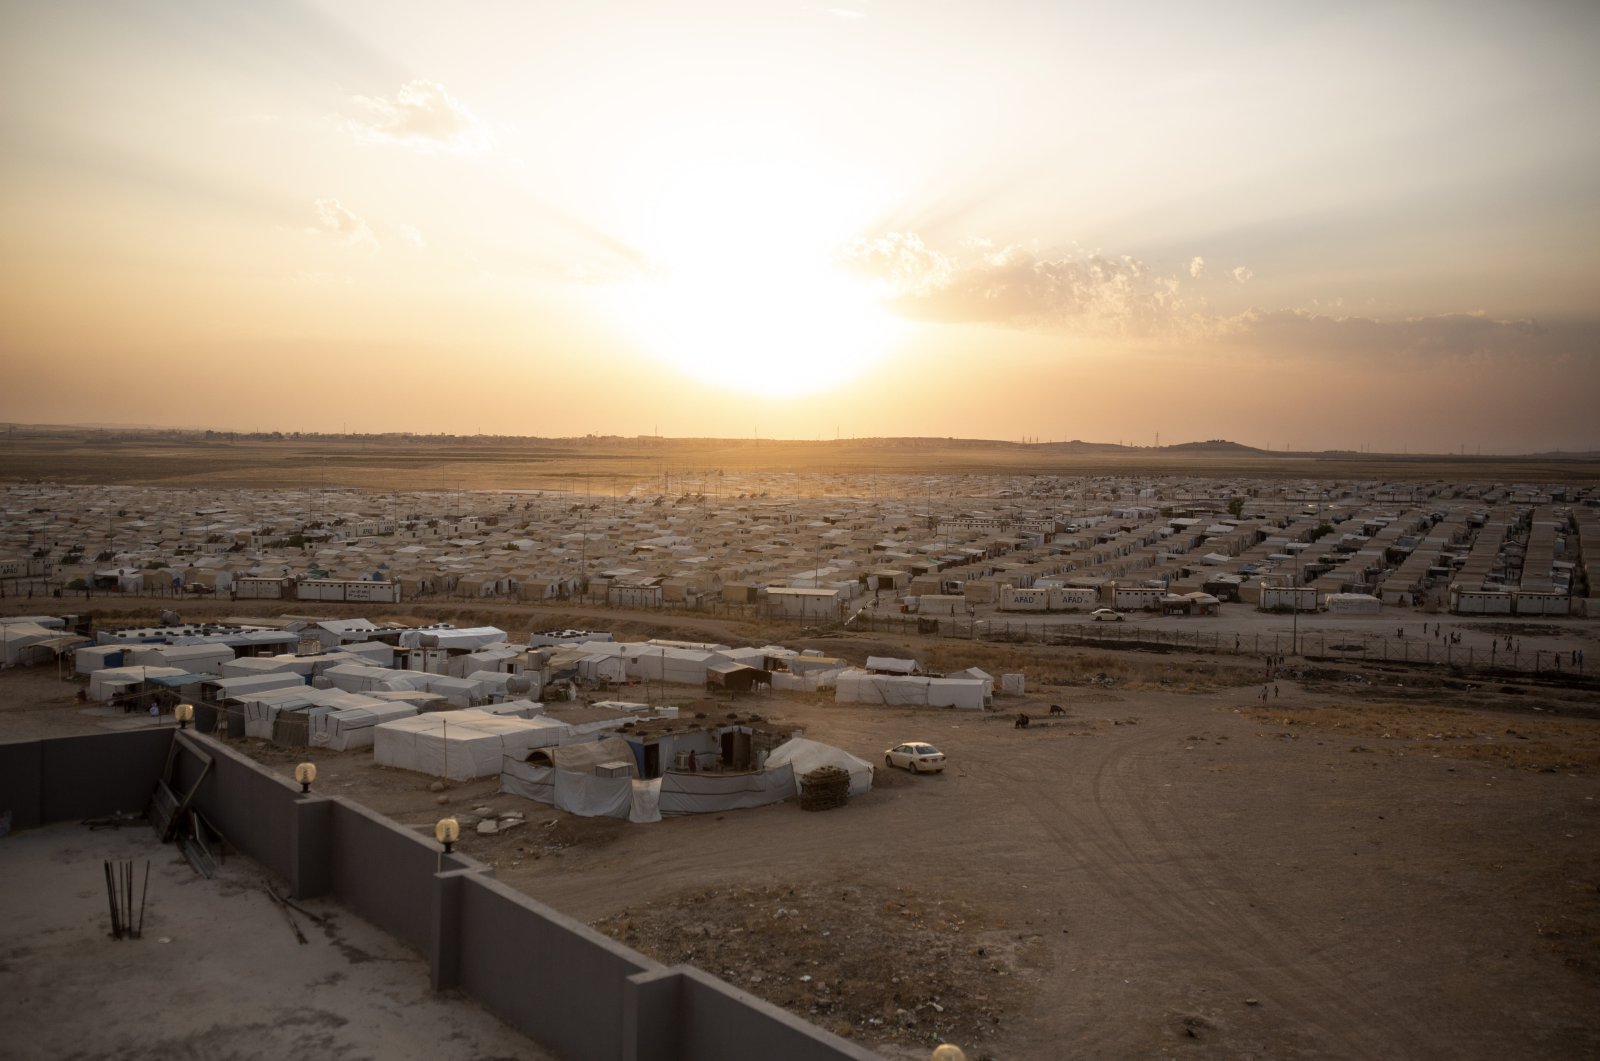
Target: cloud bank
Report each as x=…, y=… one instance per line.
x=1014, y=285
x=1122, y=297
x=424, y=117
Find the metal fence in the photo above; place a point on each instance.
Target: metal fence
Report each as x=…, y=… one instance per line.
x=1318, y=644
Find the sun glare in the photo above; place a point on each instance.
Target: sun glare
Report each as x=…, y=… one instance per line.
x=747, y=293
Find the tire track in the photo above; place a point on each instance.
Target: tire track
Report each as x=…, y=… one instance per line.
x=1151, y=866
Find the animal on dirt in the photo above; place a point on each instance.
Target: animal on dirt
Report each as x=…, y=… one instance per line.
x=1022, y=721
x=1057, y=709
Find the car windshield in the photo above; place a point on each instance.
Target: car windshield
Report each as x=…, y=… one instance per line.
x=924, y=749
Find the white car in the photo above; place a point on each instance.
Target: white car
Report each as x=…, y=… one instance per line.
x=1106, y=615
x=915, y=756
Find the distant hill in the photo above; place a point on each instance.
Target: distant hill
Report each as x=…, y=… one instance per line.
x=1215, y=447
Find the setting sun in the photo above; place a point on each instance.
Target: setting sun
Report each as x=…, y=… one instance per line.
x=746, y=290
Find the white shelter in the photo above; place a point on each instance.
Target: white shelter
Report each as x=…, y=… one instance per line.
x=460, y=745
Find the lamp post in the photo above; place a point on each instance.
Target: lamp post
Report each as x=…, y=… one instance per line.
x=305, y=773
x=447, y=831
x=183, y=713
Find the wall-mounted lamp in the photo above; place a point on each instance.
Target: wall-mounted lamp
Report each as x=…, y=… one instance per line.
x=948, y=1052
x=183, y=713
x=447, y=831
x=305, y=773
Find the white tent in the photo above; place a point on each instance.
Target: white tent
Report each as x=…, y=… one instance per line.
x=515, y=708
x=91, y=658
x=222, y=688
x=17, y=638
x=196, y=659
x=355, y=678
x=353, y=727
x=460, y=692
x=460, y=745
x=376, y=653
x=107, y=683
x=803, y=756
x=859, y=687
x=268, y=665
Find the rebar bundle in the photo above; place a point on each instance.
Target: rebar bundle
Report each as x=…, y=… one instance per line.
x=120, y=890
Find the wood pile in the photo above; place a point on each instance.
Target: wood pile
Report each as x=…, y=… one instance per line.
x=824, y=788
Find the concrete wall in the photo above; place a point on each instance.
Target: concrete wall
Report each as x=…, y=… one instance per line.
x=556, y=979
x=71, y=778
x=571, y=989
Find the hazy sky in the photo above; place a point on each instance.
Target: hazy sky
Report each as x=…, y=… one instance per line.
x=1289, y=224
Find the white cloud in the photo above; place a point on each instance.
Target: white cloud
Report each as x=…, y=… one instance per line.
x=411, y=236
x=1197, y=267
x=1014, y=285
x=1243, y=274
x=334, y=219
x=425, y=117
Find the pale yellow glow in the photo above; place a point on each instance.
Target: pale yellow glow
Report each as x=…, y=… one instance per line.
x=746, y=291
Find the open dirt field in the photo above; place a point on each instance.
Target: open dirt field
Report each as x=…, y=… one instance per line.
x=1385, y=865
x=607, y=464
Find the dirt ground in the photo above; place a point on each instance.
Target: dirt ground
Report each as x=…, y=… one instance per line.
x=1371, y=862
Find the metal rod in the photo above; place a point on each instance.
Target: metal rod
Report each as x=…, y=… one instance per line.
x=111, y=894
x=144, y=897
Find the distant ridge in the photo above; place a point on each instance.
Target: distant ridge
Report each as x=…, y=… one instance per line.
x=1214, y=448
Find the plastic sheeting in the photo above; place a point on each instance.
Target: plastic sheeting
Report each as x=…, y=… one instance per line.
x=783, y=681
x=646, y=803
x=591, y=796
x=683, y=793
x=583, y=793
x=804, y=756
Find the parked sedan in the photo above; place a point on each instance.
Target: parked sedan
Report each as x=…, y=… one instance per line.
x=1106, y=615
x=915, y=756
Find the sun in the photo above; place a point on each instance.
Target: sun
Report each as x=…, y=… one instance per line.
x=747, y=291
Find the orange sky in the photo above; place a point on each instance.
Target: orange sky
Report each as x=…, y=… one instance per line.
x=1289, y=225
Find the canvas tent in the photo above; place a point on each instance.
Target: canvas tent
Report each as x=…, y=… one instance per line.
x=860, y=687
x=803, y=756
x=460, y=745
x=195, y=658
x=24, y=643
x=113, y=681
x=355, y=678
x=353, y=727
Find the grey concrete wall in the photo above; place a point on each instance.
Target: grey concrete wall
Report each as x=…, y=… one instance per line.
x=544, y=973
x=718, y=1022
x=575, y=991
x=386, y=874
x=252, y=807
x=71, y=778
x=21, y=781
